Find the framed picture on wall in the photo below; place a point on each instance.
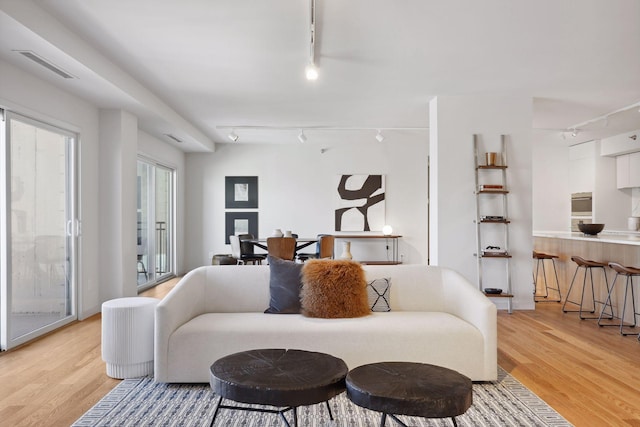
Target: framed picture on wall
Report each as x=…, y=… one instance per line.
x=240, y=223
x=241, y=192
x=360, y=203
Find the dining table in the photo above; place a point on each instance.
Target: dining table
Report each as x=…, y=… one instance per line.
x=301, y=242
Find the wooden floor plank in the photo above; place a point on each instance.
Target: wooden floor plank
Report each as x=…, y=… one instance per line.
x=591, y=375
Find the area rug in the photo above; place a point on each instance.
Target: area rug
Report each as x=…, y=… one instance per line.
x=141, y=402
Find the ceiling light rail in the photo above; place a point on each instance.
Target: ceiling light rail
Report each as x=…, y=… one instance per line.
x=302, y=137
x=605, y=118
x=581, y=127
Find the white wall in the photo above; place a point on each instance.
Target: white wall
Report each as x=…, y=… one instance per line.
x=453, y=121
x=118, y=250
x=297, y=189
x=550, y=186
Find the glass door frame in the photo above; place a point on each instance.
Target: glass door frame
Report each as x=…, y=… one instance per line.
x=72, y=228
x=151, y=229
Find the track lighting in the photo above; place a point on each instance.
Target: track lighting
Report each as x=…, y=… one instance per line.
x=233, y=136
x=302, y=137
x=311, y=71
x=380, y=136
x=574, y=132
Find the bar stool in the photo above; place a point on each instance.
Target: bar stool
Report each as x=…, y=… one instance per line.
x=630, y=273
x=588, y=266
x=540, y=257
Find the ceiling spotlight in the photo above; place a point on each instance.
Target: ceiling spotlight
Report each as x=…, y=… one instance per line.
x=574, y=132
x=302, y=137
x=311, y=71
x=233, y=136
x=380, y=136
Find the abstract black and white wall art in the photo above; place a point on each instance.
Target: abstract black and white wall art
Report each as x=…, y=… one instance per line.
x=360, y=201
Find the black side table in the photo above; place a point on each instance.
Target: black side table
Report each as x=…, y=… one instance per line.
x=277, y=377
x=414, y=389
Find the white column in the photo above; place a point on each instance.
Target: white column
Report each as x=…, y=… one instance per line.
x=118, y=192
x=452, y=242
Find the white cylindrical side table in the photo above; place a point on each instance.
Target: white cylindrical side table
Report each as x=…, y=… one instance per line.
x=127, y=336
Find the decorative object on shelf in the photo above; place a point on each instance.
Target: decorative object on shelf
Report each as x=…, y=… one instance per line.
x=241, y=192
x=277, y=233
x=491, y=187
x=390, y=241
x=492, y=218
x=360, y=203
x=387, y=230
x=288, y=233
x=590, y=229
x=633, y=223
x=493, y=251
x=493, y=291
x=492, y=159
x=346, y=251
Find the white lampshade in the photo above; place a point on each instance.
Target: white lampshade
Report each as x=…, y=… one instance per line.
x=387, y=230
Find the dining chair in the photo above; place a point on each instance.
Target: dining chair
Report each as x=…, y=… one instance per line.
x=236, y=252
x=247, y=250
x=281, y=247
x=326, y=243
x=324, y=248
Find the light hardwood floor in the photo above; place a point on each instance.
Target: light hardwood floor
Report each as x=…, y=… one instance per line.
x=589, y=374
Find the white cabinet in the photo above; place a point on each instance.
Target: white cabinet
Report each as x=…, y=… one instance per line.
x=582, y=167
x=628, y=170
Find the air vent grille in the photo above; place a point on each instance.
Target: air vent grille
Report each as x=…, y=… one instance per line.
x=48, y=65
x=168, y=135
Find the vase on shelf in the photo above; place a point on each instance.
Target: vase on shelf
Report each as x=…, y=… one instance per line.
x=277, y=233
x=346, y=251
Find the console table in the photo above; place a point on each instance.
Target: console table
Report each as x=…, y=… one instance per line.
x=393, y=238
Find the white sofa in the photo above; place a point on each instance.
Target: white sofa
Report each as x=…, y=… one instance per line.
x=436, y=317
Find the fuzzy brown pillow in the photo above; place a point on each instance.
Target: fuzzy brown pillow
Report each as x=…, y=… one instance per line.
x=333, y=289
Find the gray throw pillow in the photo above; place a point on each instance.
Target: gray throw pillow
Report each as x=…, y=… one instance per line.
x=378, y=293
x=284, y=286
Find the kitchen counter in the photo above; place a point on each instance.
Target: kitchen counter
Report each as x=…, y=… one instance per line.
x=616, y=237
x=617, y=246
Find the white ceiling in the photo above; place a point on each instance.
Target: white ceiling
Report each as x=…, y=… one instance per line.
x=187, y=67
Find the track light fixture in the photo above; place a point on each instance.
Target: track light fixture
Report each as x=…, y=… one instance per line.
x=302, y=137
x=311, y=71
x=574, y=132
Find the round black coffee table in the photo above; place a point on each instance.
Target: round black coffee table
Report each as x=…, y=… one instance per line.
x=277, y=377
x=414, y=389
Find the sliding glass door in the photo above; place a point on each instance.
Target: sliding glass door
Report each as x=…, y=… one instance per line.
x=38, y=229
x=155, y=223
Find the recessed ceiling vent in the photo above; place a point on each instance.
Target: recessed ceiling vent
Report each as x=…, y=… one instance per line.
x=178, y=140
x=46, y=64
